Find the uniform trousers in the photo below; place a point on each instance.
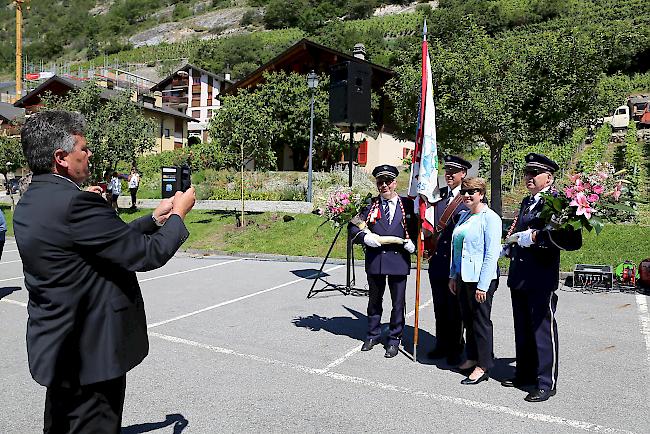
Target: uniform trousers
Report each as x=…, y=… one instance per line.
x=536, y=339
x=94, y=408
x=449, y=325
x=377, y=286
x=478, y=325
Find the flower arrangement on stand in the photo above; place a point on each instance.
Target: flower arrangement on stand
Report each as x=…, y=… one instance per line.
x=587, y=200
x=343, y=206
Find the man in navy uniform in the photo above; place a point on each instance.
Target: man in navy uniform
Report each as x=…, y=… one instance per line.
x=533, y=279
x=449, y=326
x=387, y=215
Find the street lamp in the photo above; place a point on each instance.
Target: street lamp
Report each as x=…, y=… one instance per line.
x=312, y=83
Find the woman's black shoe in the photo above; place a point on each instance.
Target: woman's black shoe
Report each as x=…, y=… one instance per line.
x=483, y=377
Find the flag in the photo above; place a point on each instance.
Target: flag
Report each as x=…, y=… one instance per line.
x=423, y=185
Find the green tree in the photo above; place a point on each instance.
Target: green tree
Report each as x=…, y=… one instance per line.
x=281, y=14
x=510, y=90
x=283, y=101
x=116, y=128
x=244, y=131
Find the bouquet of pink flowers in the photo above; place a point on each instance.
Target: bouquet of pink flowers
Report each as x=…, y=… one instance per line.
x=586, y=200
x=343, y=205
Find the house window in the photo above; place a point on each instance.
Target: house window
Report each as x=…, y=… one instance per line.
x=196, y=114
x=362, y=156
x=209, y=113
x=406, y=153
x=167, y=133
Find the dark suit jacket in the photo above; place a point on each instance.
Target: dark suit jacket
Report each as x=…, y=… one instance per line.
x=441, y=259
x=86, y=314
x=389, y=259
x=538, y=267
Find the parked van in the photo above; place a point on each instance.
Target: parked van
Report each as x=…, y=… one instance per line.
x=620, y=119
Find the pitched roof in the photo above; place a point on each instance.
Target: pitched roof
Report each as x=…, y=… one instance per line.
x=34, y=97
x=9, y=113
x=310, y=56
x=160, y=85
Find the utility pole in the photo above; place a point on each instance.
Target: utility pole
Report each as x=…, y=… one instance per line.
x=19, y=47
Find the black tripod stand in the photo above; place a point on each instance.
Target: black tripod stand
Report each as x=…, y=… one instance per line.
x=350, y=277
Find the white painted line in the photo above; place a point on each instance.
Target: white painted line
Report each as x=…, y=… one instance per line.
x=19, y=303
x=357, y=349
x=538, y=417
x=8, y=251
x=644, y=318
x=205, y=309
x=9, y=262
x=12, y=278
x=191, y=270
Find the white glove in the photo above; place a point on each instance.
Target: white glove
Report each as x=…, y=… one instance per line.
x=371, y=240
x=524, y=238
x=409, y=246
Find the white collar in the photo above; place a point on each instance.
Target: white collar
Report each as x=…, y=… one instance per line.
x=393, y=200
x=456, y=190
x=67, y=179
x=538, y=196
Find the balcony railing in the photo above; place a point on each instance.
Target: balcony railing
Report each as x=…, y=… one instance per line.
x=180, y=82
x=172, y=99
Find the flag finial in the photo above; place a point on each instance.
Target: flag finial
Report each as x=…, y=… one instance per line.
x=424, y=30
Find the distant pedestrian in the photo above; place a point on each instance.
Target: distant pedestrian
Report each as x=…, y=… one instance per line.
x=134, y=183
x=116, y=189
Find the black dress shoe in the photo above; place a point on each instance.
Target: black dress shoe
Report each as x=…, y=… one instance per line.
x=437, y=353
x=368, y=344
x=515, y=382
x=483, y=377
x=391, y=351
x=539, y=395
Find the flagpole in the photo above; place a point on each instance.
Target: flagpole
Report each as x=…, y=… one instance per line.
x=417, y=294
x=420, y=245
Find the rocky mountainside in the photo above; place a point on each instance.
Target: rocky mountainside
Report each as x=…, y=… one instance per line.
x=78, y=30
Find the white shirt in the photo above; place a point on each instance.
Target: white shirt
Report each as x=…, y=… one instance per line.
x=454, y=192
x=134, y=180
x=537, y=198
x=117, y=186
x=392, y=205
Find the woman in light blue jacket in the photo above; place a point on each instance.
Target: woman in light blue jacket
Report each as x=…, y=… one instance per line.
x=476, y=244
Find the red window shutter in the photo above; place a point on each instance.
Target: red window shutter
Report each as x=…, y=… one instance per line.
x=362, y=157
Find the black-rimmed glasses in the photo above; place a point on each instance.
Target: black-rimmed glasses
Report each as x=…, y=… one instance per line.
x=470, y=191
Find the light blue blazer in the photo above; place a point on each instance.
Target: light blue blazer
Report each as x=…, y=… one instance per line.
x=481, y=248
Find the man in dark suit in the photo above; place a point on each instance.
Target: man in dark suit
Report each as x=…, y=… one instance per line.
x=533, y=279
x=387, y=215
x=86, y=325
x=449, y=326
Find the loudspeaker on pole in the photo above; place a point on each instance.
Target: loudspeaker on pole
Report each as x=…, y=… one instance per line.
x=350, y=94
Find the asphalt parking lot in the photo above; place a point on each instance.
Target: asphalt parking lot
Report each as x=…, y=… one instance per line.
x=237, y=347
